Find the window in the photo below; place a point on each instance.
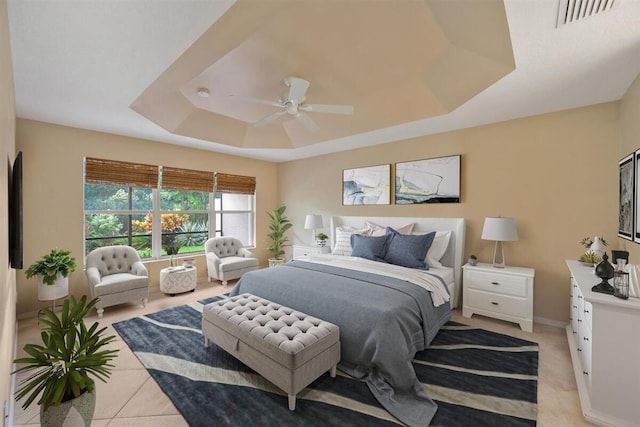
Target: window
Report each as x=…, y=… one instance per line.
x=235, y=207
x=163, y=210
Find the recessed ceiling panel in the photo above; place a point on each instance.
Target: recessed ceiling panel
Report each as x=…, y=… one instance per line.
x=406, y=60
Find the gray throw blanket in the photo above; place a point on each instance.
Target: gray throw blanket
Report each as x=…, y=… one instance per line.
x=383, y=322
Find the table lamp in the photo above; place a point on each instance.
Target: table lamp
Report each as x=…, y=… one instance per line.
x=501, y=230
x=311, y=222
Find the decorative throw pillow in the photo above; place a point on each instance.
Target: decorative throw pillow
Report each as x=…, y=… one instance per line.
x=343, y=239
x=379, y=230
x=408, y=250
x=373, y=248
x=438, y=248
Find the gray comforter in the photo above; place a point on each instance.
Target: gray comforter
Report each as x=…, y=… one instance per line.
x=383, y=322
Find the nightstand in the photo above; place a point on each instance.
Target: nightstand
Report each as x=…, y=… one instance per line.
x=304, y=250
x=501, y=293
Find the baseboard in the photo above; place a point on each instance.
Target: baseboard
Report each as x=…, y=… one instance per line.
x=550, y=322
x=12, y=387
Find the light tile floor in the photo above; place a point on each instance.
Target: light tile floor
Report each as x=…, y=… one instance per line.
x=132, y=398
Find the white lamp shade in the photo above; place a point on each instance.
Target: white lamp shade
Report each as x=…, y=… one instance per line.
x=312, y=222
x=499, y=229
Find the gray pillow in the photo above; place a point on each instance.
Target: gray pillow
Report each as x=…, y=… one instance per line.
x=408, y=250
x=373, y=248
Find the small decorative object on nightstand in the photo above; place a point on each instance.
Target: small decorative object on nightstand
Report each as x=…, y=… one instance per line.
x=505, y=294
x=304, y=250
x=321, y=239
x=473, y=260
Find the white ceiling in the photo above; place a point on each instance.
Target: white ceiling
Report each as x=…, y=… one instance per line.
x=82, y=63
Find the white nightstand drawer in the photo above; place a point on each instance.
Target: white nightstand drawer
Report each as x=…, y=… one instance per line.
x=302, y=251
x=501, y=283
x=498, y=303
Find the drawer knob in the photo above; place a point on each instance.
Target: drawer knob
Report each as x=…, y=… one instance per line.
x=586, y=311
x=579, y=320
x=586, y=339
x=579, y=296
x=495, y=283
x=579, y=349
x=575, y=306
x=585, y=372
x=574, y=332
x=494, y=303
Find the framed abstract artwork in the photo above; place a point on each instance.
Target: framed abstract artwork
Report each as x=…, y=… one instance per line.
x=626, y=216
x=428, y=181
x=636, y=201
x=366, y=186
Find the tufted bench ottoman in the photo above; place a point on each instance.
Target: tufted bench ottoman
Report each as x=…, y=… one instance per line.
x=287, y=347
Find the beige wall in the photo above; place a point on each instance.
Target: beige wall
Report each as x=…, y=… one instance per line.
x=7, y=151
x=53, y=191
x=556, y=174
x=629, y=143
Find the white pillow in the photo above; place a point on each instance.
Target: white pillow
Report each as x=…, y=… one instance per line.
x=343, y=239
x=379, y=230
x=438, y=248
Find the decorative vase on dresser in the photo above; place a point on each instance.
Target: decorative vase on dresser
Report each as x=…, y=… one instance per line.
x=502, y=293
x=604, y=341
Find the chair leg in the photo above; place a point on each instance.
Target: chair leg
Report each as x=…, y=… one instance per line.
x=100, y=312
x=144, y=302
x=224, y=283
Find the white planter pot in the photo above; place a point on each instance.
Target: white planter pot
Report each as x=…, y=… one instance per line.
x=274, y=262
x=59, y=289
x=75, y=412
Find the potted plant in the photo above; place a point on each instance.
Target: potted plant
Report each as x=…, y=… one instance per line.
x=58, y=370
x=52, y=271
x=592, y=255
x=321, y=239
x=473, y=260
x=278, y=225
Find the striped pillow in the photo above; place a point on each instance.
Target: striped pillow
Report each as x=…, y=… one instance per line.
x=343, y=239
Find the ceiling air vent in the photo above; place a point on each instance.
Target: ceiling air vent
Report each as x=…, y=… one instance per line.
x=574, y=10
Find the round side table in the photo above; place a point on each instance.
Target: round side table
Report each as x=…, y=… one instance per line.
x=175, y=280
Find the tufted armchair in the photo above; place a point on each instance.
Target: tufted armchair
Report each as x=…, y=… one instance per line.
x=227, y=259
x=116, y=275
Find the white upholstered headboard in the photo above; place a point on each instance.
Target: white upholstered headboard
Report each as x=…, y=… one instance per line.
x=454, y=255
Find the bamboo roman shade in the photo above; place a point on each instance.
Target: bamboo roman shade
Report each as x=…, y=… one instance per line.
x=186, y=179
x=236, y=184
x=101, y=171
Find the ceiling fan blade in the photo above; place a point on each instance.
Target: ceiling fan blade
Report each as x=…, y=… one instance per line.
x=256, y=100
x=324, y=108
x=297, y=88
x=307, y=122
x=269, y=119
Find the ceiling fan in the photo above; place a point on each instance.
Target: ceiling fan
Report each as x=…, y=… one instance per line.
x=295, y=105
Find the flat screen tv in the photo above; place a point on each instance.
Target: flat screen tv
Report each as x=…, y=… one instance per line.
x=15, y=214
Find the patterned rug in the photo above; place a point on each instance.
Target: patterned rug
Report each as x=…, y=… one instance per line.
x=476, y=377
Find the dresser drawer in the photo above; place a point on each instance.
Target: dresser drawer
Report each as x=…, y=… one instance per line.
x=501, y=283
x=497, y=303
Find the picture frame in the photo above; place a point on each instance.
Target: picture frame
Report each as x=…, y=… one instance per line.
x=366, y=186
x=434, y=180
x=636, y=182
x=626, y=202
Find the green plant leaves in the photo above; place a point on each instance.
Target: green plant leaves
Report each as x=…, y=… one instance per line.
x=49, y=265
x=60, y=368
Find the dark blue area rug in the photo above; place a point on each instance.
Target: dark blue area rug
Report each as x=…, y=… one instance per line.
x=476, y=377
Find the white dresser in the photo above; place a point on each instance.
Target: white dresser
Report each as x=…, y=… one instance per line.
x=303, y=250
x=502, y=293
x=604, y=340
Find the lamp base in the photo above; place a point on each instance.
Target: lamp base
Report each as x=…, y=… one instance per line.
x=498, y=256
x=603, y=287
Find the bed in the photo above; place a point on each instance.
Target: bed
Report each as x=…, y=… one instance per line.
x=386, y=313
